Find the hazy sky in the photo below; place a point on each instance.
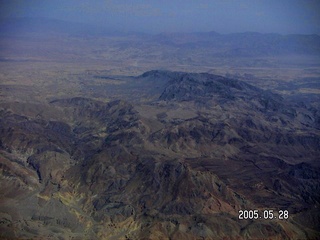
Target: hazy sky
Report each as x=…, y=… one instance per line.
x=223, y=16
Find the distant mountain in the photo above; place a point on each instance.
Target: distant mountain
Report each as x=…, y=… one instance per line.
x=248, y=44
x=204, y=88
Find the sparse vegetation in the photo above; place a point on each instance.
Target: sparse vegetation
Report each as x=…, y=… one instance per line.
x=94, y=145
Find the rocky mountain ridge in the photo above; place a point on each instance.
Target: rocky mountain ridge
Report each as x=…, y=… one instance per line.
x=180, y=166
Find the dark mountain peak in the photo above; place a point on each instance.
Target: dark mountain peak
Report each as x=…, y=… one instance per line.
x=150, y=165
x=190, y=86
x=205, y=88
x=154, y=73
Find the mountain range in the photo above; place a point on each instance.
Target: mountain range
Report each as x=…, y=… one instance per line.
x=248, y=44
x=173, y=155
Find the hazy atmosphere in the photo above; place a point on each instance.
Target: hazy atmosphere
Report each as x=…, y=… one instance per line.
x=162, y=119
x=223, y=16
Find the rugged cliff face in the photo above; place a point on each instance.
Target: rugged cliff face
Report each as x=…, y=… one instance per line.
x=179, y=166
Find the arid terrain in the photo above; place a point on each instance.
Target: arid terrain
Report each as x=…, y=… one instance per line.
x=167, y=136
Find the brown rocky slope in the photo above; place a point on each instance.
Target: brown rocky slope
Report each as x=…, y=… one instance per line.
x=180, y=166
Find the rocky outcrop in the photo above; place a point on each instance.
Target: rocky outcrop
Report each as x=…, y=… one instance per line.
x=180, y=167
